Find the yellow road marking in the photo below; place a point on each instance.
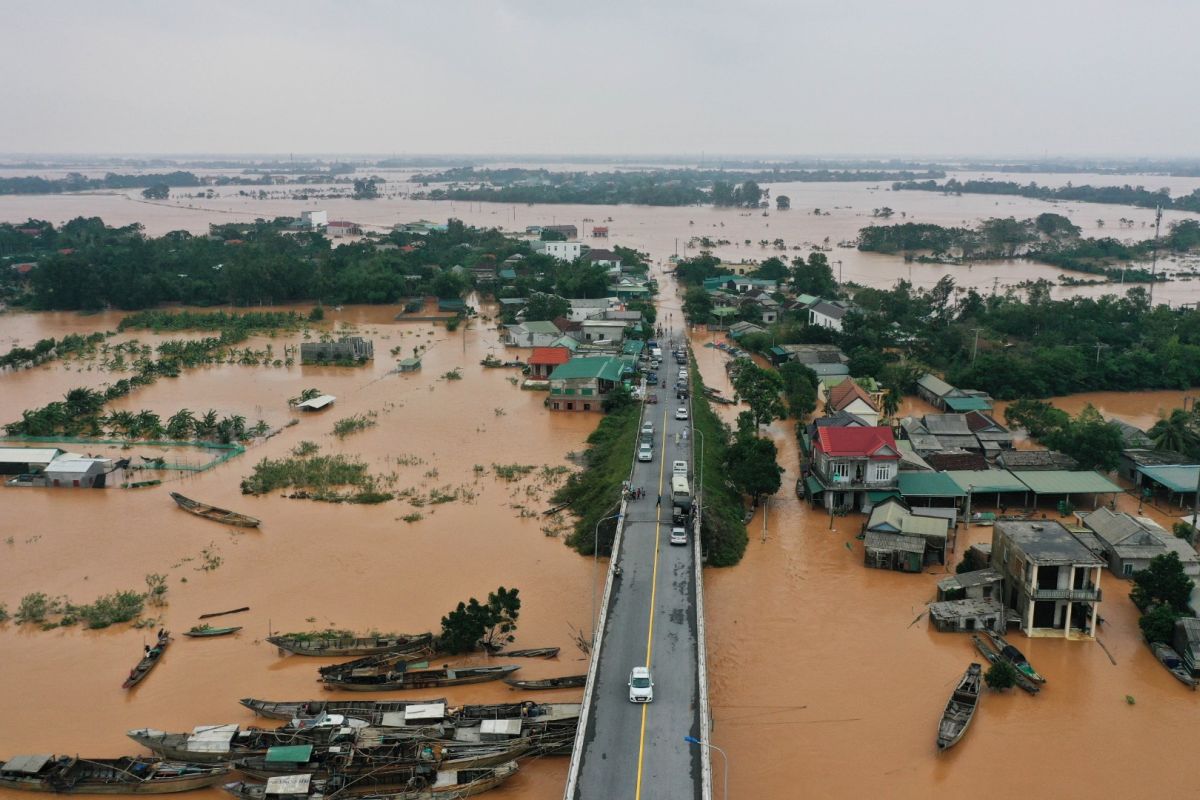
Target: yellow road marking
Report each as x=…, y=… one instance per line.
x=662, y=465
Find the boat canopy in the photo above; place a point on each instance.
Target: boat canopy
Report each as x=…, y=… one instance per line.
x=26, y=765
x=211, y=738
x=289, y=784
x=292, y=753
x=500, y=727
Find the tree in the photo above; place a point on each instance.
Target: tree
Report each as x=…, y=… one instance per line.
x=619, y=398
x=1158, y=624
x=760, y=389
x=544, y=307
x=158, y=191
x=697, y=305
x=749, y=194
x=180, y=425
x=1001, y=675
x=1037, y=417
x=814, y=276
x=783, y=202
x=1163, y=583
x=366, y=188
x=750, y=461
x=799, y=389
x=772, y=269
x=473, y=623
x=1176, y=432
x=1090, y=440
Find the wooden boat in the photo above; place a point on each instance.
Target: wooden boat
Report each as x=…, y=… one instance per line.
x=1171, y=660
x=564, y=682
x=959, y=709
x=75, y=775
x=359, y=709
x=395, y=764
x=220, y=743
x=533, y=652
x=224, y=613
x=428, y=784
x=318, y=645
x=381, y=662
x=203, y=631
x=418, y=678
x=214, y=513
x=1016, y=658
x=149, y=661
x=992, y=656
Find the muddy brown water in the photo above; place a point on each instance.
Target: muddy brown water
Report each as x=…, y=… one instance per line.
x=819, y=680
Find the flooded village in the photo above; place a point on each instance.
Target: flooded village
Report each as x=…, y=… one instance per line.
x=835, y=640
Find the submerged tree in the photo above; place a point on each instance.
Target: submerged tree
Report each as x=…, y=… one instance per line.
x=472, y=624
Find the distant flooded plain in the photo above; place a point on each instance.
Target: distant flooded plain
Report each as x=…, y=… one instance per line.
x=826, y=679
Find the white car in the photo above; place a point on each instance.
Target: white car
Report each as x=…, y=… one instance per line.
x=648, y=428
x=645, y=453
x=641, y=686
x=681, y=413
x=678, y=535
x=679, y=468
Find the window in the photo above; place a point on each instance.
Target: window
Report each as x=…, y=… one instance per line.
x=1127, y=569
x=587, y=406
x=882, y=472
x=840, y=470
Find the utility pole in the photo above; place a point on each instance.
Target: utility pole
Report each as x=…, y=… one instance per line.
x=975, y=347
x=1098, y=346
x=1154, y=261
x=839, y=272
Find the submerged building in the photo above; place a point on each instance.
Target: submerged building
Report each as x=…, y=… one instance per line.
x=1051, y=578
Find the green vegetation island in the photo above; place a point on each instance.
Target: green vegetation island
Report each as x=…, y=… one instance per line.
x=670, y=187
x=1125, y=195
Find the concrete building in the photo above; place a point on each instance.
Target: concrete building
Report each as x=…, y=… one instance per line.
x=980, y=584
x=1130, y=543
x=348, y=348
x=314, y=220
x=849, y=396
x=828, y=314
x=1051, y=579
x=603, y=258
x=1186, y=642
x=848, y=464
x=595, y=330
x=581, y=383
x=544, y=360
x=893, y=551
x=966, y=616
x=26, y=460
x=563, y=251
x=538, y=333
x=339, y=228
x=77, y=472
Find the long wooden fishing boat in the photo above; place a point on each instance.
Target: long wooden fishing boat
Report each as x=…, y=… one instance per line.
x=75, y=775
x=204, y=631
x=960, y=709
x=429, y=784
x=318, y=645
x=215, y=513
x=1170, y=659
x=149, y=660
x=564, y=682
x=1015, y=657
x=219, y=743
x=533, y=652
x=418, y=678
x=993, y=657
x=359, y=709
x=381, y=662
x=395, y=764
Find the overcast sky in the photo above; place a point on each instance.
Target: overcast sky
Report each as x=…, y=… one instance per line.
x=835, y=77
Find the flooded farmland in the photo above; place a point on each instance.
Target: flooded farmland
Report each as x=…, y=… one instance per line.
x=820, y=678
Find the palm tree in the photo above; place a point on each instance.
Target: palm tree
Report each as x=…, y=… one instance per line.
x=120, y=423
x=180, y=425
x=891, y=402
x=149, y=425
x=84, y=402
x=206, y=426
x=1176, y=432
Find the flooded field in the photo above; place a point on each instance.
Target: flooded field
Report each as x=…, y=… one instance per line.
x=311, y=564
x=661, y=231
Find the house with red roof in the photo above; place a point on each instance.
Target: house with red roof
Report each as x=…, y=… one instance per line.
x=543, y=360
x=850, y=397
x=852, y=467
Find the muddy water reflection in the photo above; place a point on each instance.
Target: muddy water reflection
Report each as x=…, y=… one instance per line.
x=310, y=564
x=820, y=680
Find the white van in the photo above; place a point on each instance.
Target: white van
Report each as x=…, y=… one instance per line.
x=679, y=468
x=681, y=494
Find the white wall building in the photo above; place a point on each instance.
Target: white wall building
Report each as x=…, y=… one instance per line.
x=563, y=251
x=315, y=219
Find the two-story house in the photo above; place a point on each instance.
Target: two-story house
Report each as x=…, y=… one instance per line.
x=849, y=396
x=1051, y=578
x=849, y=463
x=581, y=383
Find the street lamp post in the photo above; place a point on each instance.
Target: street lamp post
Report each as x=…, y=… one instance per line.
x=700, y=479
x=595, y=568
x=694, y=740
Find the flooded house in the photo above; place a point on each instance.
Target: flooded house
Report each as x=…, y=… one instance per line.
x=531, y=334
x=76, y=472
x=1051, y=579
x=943, y=396
x=828, y=313
x=1186, y=642
x=893, y=516
x=979, y=584
x=893, y=551
x=26, y=460
x=581, y=383
x=595, y=330
x=849, y=396
x=848, y=464
x=1130, y=543
x=348, y=348
x=602, y=257
x=544, y=360
x=1026, y=460
x=966, y=616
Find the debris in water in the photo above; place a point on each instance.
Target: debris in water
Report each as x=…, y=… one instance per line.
x=1129, y=699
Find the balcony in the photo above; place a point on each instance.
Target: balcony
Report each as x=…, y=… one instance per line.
x=1090, y=594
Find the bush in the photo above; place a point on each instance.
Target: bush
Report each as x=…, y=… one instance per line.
x=722, y=531
x=1158, y=624
x=35, y=607
x=1002, y=675
x=109, y=609
x=595, y=492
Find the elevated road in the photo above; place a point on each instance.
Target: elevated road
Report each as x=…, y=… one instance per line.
x=629, y=750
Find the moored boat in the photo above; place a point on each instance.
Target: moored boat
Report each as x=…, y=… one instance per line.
x=418, y=678
x=149, y=661
x=381, y=662
x=202, y=631
x=75, y=775
x=215, y=513
x=1016, y=658
x=428, y=784
x=993, y=657
x=1174, y=664
x=317, y=644
x=563, y=682
x=533, y=652
x=960, y=709
x=394, y=764
x=359, y=709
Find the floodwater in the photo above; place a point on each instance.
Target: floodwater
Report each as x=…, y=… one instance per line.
x=662, y=231
x=311, y=564
x=820, y=680
x=827, y=679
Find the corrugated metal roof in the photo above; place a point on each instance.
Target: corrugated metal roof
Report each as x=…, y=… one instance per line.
x=1176, y=477
x=317, y=402
x=968, y=403
x=933, y=384
x=893, y=541
x=986, y=481
x=928, y=484
x=601, y=367
x=28, y=455
x=1072, y=482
